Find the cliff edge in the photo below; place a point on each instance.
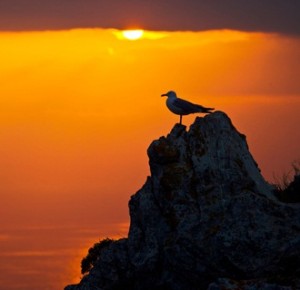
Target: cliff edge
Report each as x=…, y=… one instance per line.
x=205, y=219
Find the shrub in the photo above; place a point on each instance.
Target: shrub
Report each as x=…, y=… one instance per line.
x=288, y=189
x=89, y=261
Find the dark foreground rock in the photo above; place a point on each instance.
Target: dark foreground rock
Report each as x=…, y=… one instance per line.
x=205, y=219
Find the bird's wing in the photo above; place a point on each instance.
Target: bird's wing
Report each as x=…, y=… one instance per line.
x=187, y=106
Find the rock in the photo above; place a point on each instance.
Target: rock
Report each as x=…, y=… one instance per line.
x=228, y=284
x=204, y=213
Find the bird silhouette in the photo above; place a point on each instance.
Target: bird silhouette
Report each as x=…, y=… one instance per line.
x=182, y=107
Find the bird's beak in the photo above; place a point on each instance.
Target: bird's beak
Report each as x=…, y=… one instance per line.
x=163, y=95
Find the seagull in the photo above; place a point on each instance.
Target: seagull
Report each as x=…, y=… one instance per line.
x=182, y=107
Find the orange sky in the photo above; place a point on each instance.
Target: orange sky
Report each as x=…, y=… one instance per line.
x=79, y=108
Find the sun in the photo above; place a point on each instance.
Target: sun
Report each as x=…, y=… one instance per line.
x=133, y=34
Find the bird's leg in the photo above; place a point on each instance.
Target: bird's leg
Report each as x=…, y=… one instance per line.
x=180, y=119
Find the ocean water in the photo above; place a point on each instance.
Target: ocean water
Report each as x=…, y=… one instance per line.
x=47, y=257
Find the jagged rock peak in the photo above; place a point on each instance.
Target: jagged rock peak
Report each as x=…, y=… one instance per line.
x=211, y=145
x=204, y=218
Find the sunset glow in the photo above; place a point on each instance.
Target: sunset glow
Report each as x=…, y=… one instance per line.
x=79, y=108
x=133, y=34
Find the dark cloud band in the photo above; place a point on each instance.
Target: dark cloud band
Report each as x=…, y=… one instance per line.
x=255, y=15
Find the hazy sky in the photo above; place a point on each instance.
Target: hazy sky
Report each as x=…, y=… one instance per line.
x=255, y=15
x=76, y=104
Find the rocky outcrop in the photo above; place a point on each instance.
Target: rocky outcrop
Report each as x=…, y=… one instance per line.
x=204, y=216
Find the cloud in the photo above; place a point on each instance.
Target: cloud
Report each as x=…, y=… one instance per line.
x=256, y=15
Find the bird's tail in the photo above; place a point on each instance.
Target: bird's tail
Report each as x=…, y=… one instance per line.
x=208, y=110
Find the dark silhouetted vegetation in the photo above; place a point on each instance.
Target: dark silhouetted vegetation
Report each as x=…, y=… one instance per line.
x=89, y=261
x=288, y=189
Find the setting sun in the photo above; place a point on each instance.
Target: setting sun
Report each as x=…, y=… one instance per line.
x=133, y=34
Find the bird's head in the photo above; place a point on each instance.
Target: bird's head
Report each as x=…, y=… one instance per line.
x=169, y=94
